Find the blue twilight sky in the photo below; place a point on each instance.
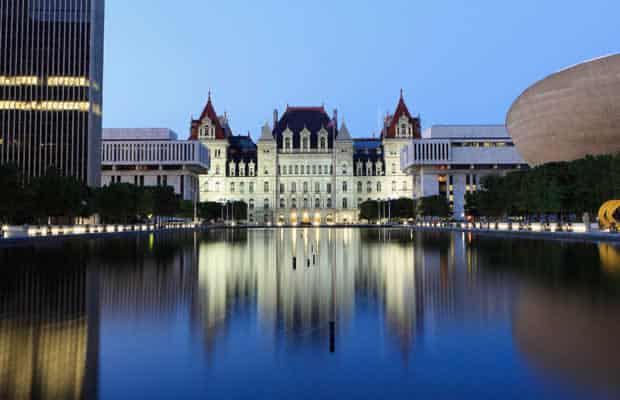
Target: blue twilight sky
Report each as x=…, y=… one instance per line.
x=458, y=61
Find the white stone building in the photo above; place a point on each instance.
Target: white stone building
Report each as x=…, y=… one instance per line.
x=153, y=157
x=305, y=168
x=450, y=160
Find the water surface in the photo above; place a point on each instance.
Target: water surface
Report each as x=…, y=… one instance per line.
x=229, y=314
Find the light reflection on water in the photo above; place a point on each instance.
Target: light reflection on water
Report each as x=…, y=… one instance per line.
x=229, y=314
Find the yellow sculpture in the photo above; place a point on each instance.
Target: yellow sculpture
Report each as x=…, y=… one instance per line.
x=606, y=214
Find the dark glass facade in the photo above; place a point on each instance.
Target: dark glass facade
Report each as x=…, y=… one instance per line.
x=51, y=69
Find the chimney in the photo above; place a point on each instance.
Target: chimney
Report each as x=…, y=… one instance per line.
x=275, y=117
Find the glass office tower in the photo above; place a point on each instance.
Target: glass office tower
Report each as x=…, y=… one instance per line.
x=51, y=69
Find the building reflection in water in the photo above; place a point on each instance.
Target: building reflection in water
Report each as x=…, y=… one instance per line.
x=406, y=274
x=49, y=327
x=54, y=299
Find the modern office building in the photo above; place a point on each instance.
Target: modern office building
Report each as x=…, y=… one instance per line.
x=450, y=160
x=51, y=69
x=153, y=157
x=570, y=114
x=305, y=168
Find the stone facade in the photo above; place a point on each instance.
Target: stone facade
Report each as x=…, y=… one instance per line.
x=305, y=167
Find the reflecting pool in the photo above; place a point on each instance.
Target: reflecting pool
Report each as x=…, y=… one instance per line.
x=310, y=313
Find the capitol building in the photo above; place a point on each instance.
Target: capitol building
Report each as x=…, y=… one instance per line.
x=306, y=168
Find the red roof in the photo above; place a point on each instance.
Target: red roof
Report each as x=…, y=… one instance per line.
x=208, y=112
x=391, y=121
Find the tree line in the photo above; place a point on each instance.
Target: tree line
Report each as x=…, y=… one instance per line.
x=405, y=208
x=61, y=199
x=559, y=188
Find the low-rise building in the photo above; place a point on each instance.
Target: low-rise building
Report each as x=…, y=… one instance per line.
x=153, y=157
x=450, y=160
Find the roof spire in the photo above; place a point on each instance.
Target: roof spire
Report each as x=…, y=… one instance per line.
x=401, y=93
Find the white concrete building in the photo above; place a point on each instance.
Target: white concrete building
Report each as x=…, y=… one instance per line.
x=153, y=157
x=305, y=168
x=450, y=160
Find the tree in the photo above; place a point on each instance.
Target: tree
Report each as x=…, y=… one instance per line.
x=56, y=196
x=165, y=202
x=403, y=208
x=14, y=199
x=434, y=206
x=210, y=211
x=369, y=210
x=114, y=203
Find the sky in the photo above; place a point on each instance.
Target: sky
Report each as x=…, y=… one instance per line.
x=458, y=62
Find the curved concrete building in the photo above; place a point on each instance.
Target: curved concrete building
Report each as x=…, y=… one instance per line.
x=570, y=114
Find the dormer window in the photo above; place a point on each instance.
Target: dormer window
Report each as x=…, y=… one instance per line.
x=232, y=168
x=323, y=139
x=369, y=168
x=251, y=169
x=359, y=168
x=404, y=127
x=242, y=169
x=207, y=130
x=288, y=140
x=378, y=168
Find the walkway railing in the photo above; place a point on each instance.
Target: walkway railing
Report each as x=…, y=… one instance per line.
x=513, y=226
x=30, y=231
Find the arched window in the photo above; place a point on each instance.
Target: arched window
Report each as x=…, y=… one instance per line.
x=282, y=202
x=329, y=202
x=287, y=143
x=345, y=187
x=345, y=203
x=266, y=204
x=293, y=187
x=232, y=187
x=293, y=203
x=305, y=187
x=317, y=203
x=369, y=187
x=304, y=144
x=266, y=187
x=359, y=187
x=305, y=202
x=296, y=169
x=378, y=187
x=251, y=204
